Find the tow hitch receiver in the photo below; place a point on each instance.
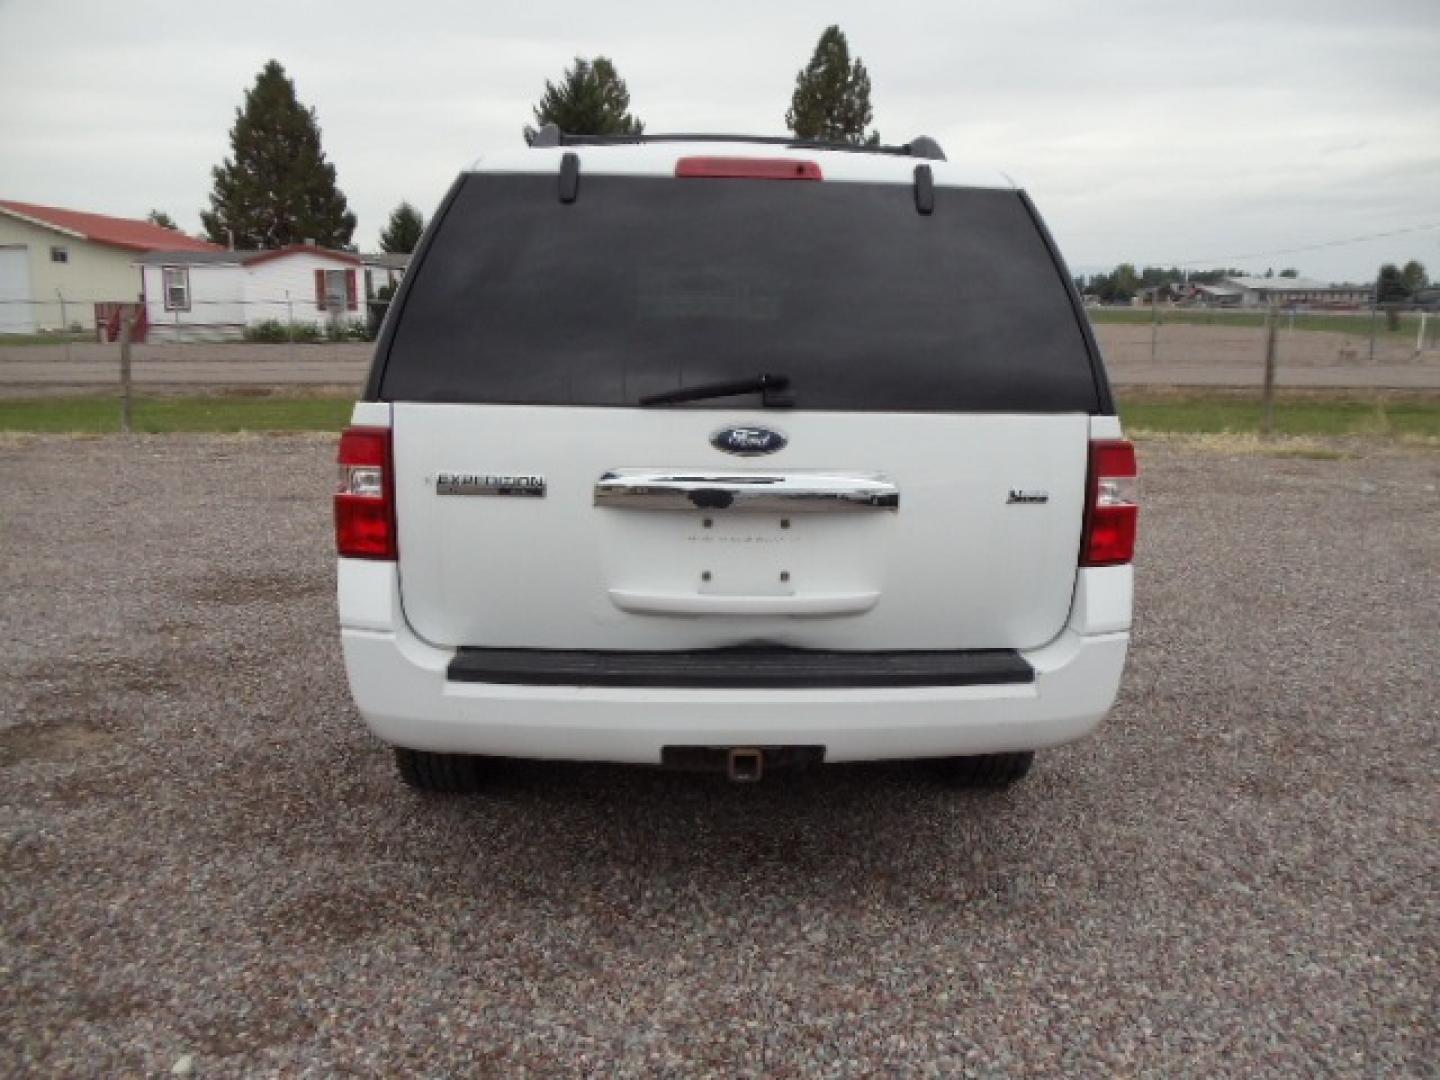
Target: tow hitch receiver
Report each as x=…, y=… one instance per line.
x=745, y=765
x=742, y=764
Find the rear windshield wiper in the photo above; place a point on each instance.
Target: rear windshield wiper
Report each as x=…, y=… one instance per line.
x=772, y=387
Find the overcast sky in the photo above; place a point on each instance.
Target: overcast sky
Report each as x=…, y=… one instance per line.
x=1147, y=133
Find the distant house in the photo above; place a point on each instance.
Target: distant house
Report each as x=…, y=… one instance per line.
x=1219, y=295
x=56, y=264
x=1259, y=292
x=190, y=295
x=1297, y=292
x=383, y=270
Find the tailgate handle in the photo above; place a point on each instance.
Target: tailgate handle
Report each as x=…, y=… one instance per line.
x=787, y=492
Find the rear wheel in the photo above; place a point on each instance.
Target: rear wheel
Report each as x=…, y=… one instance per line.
x=988, y=770
x=451, y=773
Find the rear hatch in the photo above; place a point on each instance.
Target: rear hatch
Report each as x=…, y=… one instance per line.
x=924, y=490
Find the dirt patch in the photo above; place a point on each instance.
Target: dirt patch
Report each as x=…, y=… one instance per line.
x=335, y=917
x=252, y=587
x=251, y=1026
x=85, y=682
x=39, y=741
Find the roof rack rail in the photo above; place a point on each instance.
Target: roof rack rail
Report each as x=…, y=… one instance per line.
x=921, y=147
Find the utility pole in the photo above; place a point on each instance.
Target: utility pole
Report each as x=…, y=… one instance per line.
x=1272, y=324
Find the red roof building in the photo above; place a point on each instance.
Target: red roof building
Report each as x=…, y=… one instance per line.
x=58, y=266
x=128, y=233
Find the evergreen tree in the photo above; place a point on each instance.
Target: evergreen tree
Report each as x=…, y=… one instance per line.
x=161, y=218
x=1413, y=277
x=1390, y=285
x=591, y=99
x=832, y=96
x=276, y=188
x=403, y=231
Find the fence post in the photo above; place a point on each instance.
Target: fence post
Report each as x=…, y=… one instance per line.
x=126, y=331
x=290, y=323
x=1154, y=325
x=64, y=323
x=1374, y=313
x=1420, y=334
x=1272, y=324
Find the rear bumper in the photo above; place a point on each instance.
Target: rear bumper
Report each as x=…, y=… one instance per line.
x=401, y=689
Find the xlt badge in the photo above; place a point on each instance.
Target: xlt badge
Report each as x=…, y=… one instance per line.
x=458, y=483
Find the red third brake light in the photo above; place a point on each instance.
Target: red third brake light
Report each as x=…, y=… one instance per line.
x=743, y=168
x=365, y=495
x=1111, y=504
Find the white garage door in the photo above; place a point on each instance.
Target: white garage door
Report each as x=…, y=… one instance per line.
x=17, y=314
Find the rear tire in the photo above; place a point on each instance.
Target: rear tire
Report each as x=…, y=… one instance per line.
x=988, y=770
x=453, y=774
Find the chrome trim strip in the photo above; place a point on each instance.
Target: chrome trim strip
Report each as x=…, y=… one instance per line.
x=758, y=492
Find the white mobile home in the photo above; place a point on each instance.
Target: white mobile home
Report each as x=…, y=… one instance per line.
x=216, y=294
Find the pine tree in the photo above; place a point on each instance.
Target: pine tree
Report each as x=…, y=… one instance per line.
x=832, y=96
x=276, y=188
x=591, y=99
x=403, y=231
x=1390, y=285
x=161, y=218
x=1414, y=277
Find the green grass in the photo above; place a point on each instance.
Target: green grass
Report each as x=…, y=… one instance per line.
x=1207, y=416
x=1189, y=414
x=48, y=337
x=158, y=415
x=1356, y=325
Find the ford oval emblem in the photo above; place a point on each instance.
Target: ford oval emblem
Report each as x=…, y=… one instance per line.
x=748, y=441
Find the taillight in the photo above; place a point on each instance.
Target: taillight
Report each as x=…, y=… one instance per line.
x=365, y=495
x=743, y=168
x=1112, y=505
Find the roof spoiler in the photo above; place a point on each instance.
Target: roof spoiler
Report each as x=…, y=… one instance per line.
x=922, y=147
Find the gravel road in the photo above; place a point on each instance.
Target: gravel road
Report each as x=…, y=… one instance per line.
x=208, y=863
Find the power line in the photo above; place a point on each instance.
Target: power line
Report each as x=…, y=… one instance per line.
x=1215, y=260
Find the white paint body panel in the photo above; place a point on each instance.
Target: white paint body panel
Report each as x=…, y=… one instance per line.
x=955, y=567
x=400, y=688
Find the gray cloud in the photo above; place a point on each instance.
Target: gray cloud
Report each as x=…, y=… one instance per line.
x=1144, y=134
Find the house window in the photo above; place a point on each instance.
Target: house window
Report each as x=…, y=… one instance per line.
x=335, y=290
x=176, y=280
x=60, y=254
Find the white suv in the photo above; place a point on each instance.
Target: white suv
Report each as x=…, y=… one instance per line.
x=733, y=453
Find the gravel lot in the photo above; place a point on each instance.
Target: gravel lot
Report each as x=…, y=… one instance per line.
x=208, y=862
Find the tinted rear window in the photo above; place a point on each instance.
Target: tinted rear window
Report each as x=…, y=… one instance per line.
x=646, y=285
